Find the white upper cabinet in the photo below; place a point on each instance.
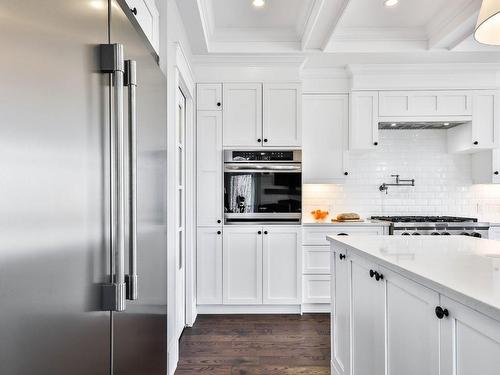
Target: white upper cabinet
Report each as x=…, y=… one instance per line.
x=486, y=167
x=281, y=265
x=363, y=120
x=483, y=131
x=242, y=265
x=209, y=168
x=242, y=114
x=325, y=138
x=282, y=114
x=470, y=341
x=209, y=266
x=147, y=15
x=425, y=103
x=209, y=97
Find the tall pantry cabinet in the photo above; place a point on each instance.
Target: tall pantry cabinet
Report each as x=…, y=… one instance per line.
x=209, y=194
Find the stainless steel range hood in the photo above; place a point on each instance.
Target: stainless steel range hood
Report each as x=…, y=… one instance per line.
x=414, y=125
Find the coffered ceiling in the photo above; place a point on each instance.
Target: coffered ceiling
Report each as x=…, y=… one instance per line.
x=330, y=26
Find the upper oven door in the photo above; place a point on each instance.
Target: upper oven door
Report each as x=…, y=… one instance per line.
x=271, y=191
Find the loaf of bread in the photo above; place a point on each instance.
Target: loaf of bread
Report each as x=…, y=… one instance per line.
x=348, y=216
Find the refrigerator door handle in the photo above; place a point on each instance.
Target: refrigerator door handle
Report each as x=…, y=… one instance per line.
x=114, y=294
x=131, y=82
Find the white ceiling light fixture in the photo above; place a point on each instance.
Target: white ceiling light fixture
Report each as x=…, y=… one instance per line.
x=488, y=23
x=391, y=3
x=258, y=3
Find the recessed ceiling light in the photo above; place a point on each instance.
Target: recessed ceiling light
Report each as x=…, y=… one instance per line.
x=391, y=3
x=394, y=125
x=259, y=3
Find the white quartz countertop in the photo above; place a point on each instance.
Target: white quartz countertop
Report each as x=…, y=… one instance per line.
x=466, y=269
x=365, y=223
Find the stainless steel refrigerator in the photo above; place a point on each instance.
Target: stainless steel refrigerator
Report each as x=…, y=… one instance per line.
x=78, y=189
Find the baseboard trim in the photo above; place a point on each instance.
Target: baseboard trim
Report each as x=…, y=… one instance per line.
x=316, y=308
x=249, y=309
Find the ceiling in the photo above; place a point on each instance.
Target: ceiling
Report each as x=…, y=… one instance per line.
x=309, y=27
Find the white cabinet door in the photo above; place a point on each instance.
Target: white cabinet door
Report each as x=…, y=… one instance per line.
x=282, y=114
x=148, y=17
x=242, y=114
x=367, y=321
x=242, y=265
x=470, y=341
x=412, y=327
x=425, y=103
x=209, y=168
x=209, y=96
x=282, y=265
x=363, y=120
x=485, y=119
x=324, y=138
x=316, y=289
x=341, y=300
x=209, y=266
x=486, y=167
x=316, y=260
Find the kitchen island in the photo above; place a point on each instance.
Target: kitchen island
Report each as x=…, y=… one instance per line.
x=415, y=305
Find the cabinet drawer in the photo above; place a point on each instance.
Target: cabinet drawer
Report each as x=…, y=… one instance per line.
x=316, y=260
x=317, y=236
x=316, y=289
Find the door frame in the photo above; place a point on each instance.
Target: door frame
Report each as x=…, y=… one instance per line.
x=185, y=82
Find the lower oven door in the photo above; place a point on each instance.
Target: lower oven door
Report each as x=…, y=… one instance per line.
x=256, y=193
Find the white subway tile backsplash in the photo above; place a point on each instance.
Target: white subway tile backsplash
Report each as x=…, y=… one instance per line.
x=443, y=182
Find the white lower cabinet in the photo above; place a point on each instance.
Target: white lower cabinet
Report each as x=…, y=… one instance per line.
x=412, y=327
x=470, y=341
x=396, y=326
x=340, y=316
x=367, y=321
x=262, y=265
x=242, y=265
x=209, y=266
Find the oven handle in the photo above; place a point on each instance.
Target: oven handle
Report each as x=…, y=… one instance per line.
x=260, y=168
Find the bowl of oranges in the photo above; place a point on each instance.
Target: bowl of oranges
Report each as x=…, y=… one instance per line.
x=319, y=215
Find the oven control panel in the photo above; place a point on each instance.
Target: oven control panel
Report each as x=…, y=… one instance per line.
x=264, y=156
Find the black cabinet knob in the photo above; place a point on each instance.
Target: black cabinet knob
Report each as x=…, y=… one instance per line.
x=265, y=232
x=372, y=273
x=134, y=10
x=375, y=143
x=342, y=234
x=342, y=256
x=219, y=232
x=476, y=143
x=259, y=140
x=346, y=173
x=265, y=140
x=441, y=313
x=259, y=232
x=496, y=172
x=219, y=221
x=219, y=104
x=379, y=276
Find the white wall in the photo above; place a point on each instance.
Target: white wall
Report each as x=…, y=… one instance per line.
x=443, y=181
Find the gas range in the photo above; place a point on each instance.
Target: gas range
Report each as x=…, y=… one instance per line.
x=435, y=225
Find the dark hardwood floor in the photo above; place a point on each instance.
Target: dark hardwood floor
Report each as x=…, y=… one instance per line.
x=256, y=344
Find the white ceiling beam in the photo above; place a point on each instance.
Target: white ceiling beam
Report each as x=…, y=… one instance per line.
x=453, y=25
x=336, y=14
x=311, y=22
x=195, y=16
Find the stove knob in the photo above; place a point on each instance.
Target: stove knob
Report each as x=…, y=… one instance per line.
x=445, y=234
x=475, y=234
x=465, y=234
x=435, y=234
x=405, y=234
x=415, y=234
